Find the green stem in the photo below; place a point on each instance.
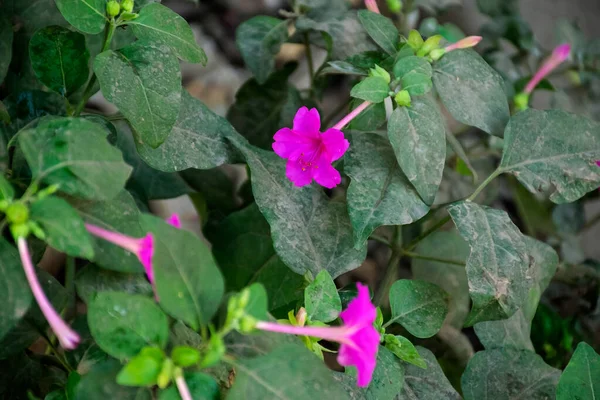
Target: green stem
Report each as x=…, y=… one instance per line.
x=89, y=90
x=309, y=59
x=380, y=239
x=52, y=348
x=428, y=258
x=490, y=178
x=392, y=268
x=428, y=232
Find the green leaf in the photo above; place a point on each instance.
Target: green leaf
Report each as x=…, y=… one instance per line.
x=20, y=374
x=201, y=386
x=372, y=118
x=579, y=381
x=91, y=280
x=4, y=115
x=149, y=97
x=122, y=324
x=373, y=88
x=59, y=58
x=427, y=384
x=257, y=303
x=6, y=42
x=101, y=383
x=15, y=295
x=450, y=277
x=378, y=189
x=141, y=370
x=198, y=138
x=381, y=29
x=418, y=136
x=321, y=298
x=342, y=67
x=404, y=350
x=159, y=24
x=64, y=228
x=120, y=214
x=185, y=356
x=415, y=74
x=259, y=40
x=269, y=377
x=553, y=151
x=183, y=265
x=497, y=266
x=100, y=174
x=86, y=15
x=472, y=91
x=418, y=306
x=310, y=232
x=508, y=374
x=243, y=248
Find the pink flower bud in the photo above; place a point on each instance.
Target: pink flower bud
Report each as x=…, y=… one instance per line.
x=372, y=6
x=174, y=220
x=468, y=42
x=301, y=316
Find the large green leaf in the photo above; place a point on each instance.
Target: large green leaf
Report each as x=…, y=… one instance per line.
x=418, y=306
x=553, y=151
x=6, y=42
x=381, y=29
x=418, y=136
x=88, y=16
x=100, y=174
x=101, y=383
x=270, y=377
x=414, y=74
x=159, y=24
x=373, y=89
x=188, y=283
x=59, y=58
x=64, y=228
x=147, y=95
x=122, y=323
x=201, y=386
x=581, y=379
x=243, y=248
x=321, y=298
x=472, y=91
x=427, y=384
x=198, y=139
x=259, y=40
x=498, y=264
x=310, y=232
x=15, y=295
x=92, y=280
x=506, y=374
x=379, y=193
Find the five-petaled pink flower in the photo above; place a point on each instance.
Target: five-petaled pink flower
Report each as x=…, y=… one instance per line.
x=358, y=337
x=309, y=152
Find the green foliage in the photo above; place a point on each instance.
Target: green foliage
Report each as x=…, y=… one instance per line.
x=322, y=299
x=373, y=89
x=89, y=16
x=415, y=75
x=14, y=293
x=381, y=30
x=579, y=380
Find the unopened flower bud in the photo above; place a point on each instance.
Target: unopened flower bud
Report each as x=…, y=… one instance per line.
x=17, y=213
x=166, y=374
x=128, y=16
x=395, y=6
x=214, y=353
x=381, y=73
x=403, y=98
x=19, y=230
x=247, y=324
x=430, y=44
x=436, y=54
x=4, y=205
x=372, y=6
x=127, y=5
x=113, y=8
x=301, y=316
x=415, y=40
x=469, y=41
x=522, y=101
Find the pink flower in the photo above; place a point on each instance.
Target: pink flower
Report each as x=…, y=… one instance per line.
x=372, y=6
x=68, y=338
x=174, y=220
x=598, y=163
x=470, y=41
x=560, y=54
x=358, y=337
x=310, y=152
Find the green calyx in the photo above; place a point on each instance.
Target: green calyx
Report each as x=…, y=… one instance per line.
x=430, y=44
x=403, y=98
x=127, y=5
x=17, y=213
x=395, y=6
x=522, y=101
x=380, y=73
x=415, y=40
x=113, y=8
x=214, y=352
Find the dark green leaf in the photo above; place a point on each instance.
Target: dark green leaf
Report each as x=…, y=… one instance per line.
x=65, y=142
x=379, y=193
x=64, y=228
x=92, y=280
x=404, y=350
x=418, y=136
x=141, y=370
x=579, y=381
x=373, y=88
x=86, y=15
x=472, y=91
x=321, y=299
x=508, y=374
x=101, y=383
x=202, y=387
x=497, y=266
x=257, y=303
x=18, y=375
x=159, y=24
x=342, y=67
x=59, y=58
x=418, y=306
x=553, y=151
x=144, y=81
x=183, y=265
x=15, y=295
x=259, y=40
x=381, y=29
x=415, y=74
x=122, y=324
x=6, y=41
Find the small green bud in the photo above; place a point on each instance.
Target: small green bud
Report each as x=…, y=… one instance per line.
x=185, y=356
x=522, y=101
x=436, y=54
x=415, y=40
x=247, y=324
x=17, y=213
x=4, y=205
x=244, y=298
x=37, y=230
x=381, y=73
x=395, y=6
x=48, y=191
x=574, y=77
x=127, y=5
x=113, y=8
x=166, y=374
x=127, y=16
x=154, y=352
x=141, y=370
x=19, y=230
x=214, y=353
x=403, y=98
x=430, y=44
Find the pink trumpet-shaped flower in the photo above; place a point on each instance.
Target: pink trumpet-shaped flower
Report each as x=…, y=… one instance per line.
x=560, y=54
x=68, y=338
x=470, y=41
x=310, y=152
x=358, y=337
x=182, y=387
x=174, y=220
x=372, y=6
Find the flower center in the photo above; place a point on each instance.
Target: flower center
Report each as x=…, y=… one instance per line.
x=311, y=160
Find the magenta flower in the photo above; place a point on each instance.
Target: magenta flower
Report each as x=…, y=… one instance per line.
x=310, y=152
x=469, y=41
x=68, y=338
x=174, y=220
x=358, y=337
x=372, y=6
x=560, y=54
x=598, y=163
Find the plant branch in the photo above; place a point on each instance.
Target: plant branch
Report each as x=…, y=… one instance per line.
x=428, y=258
x=428, y=232
x=490, y=178
x=391, y=270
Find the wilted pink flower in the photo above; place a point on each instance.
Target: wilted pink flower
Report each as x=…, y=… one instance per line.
x=560, y=54
x=358, y=337
x=310, y=152
x=68, y=338
x=470, y=41
x=174, y=220
x=372, y=6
